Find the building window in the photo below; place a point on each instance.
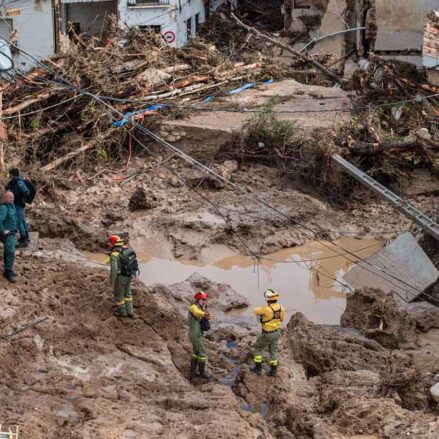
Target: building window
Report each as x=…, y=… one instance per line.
x=207, y=10
x=301, y=4
x=197, y=22
x=189, y=28
x=156, y=28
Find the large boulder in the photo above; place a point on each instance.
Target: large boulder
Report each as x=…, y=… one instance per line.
x=323, y=348
x=383, y=417
x=380, y=317
x=425, y=314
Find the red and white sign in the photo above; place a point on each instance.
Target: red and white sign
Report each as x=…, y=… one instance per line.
x=169, y=36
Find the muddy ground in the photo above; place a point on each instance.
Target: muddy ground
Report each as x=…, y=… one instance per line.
x=157, y=207
x=85, y=374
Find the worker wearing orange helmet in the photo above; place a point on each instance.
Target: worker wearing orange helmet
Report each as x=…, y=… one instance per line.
x=271, y=317
x=120, y=278
x=198, y=318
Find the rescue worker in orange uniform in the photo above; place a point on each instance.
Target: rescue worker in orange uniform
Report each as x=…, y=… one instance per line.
x=198, y=318
x=271, y=318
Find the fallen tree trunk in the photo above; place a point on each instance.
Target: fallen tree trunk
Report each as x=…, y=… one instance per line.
x=364, y=148
x=59, y=161
x=305, y=58
x=182, y=83
x=23, y=105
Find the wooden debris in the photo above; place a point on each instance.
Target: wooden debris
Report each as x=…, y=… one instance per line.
x=304, y=58
x=59, y=161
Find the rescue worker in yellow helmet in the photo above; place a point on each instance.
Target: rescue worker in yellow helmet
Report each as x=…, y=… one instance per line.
x=271, y=318
x=198, y=318
x=121, y=276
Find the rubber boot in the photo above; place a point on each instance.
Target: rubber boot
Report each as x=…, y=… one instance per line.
x=23, y=242
x=257, y=368
x=273, y=371
x=202, y=369
x=10, y=276
x=194, y=364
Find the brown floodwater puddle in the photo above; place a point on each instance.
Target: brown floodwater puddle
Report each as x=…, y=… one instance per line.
x=303, y=275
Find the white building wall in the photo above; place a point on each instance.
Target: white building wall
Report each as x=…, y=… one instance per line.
x=172, y=18
x=35, y=29
x=401, y=23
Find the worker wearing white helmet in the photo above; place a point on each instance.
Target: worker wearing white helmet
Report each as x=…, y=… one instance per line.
x=271, y=317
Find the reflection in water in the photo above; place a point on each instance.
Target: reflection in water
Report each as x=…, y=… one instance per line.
x=303, y=276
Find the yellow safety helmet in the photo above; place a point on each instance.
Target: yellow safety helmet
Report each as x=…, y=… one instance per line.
x=271, y=295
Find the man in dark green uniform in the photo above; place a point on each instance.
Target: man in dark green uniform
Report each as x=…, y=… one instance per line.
x=121, y=282
x=8, y=229
x=198, y=312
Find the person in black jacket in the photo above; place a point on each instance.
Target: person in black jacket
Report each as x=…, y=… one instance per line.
x=21, y=193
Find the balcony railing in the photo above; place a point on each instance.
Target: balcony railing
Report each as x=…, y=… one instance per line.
x=151, y=3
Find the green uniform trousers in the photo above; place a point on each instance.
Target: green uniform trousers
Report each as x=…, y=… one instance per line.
x=9, y=251
x=123, y=296
x=198, y=351
x=269, y=339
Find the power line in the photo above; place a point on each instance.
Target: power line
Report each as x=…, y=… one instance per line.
x=237, y=110
x=218, y=177
x=262, y=111
x=41, y=109
x=255, y=255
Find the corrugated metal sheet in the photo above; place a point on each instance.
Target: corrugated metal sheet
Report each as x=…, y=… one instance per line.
x=402, y=259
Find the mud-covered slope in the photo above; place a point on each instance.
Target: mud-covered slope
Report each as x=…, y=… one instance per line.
x=335, y=382
x=85, y=374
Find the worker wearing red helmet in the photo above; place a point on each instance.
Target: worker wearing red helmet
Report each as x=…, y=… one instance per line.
x=120, y=280
x=271, y=318
x=197, y=317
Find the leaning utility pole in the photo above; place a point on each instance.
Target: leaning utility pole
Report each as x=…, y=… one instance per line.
x=430, y=226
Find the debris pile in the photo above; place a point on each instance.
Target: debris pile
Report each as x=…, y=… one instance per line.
x=393, y=130
x=51, y=121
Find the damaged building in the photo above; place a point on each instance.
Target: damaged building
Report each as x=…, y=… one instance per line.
x=43, y=27
x=430, y=50
x=176, y=20
x=345, y=27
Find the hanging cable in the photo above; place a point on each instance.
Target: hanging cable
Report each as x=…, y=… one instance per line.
x=217, y=176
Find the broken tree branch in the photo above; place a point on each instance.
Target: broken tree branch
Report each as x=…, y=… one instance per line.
x=23, y=105
x=59, y=161
x=305, y=58
x=364, y=148
x=31, y=325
